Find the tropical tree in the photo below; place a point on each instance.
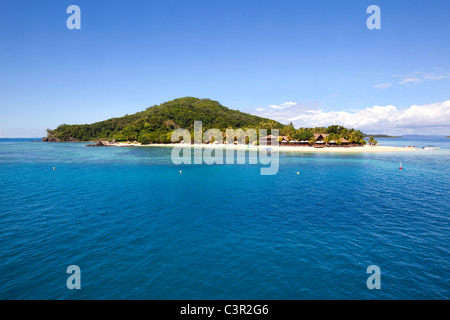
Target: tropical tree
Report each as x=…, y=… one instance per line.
x=372, y=141
x=352, y=138
x=303, y=135
x=288, y=131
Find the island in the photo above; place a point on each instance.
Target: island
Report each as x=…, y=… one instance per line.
x=382, y=136
x=155, y=126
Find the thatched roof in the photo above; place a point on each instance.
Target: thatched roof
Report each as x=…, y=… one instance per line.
x=269, y=137
x=318, y=136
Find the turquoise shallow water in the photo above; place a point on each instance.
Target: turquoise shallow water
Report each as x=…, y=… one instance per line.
x=139, y=229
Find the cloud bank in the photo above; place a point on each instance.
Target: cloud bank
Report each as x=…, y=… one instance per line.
x=425, y=119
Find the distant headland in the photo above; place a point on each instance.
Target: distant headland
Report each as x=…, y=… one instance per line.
x=381, y=136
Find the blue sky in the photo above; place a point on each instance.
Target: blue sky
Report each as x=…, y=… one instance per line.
x=309, y=62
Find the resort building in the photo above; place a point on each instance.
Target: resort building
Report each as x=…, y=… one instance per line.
x=319, y=138
x=268, y=140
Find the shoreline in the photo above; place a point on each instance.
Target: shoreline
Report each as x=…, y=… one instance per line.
x=361, y=149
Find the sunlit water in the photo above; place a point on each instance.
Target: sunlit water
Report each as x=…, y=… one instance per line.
x=139, y=229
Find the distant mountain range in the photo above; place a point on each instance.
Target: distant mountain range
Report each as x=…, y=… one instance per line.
x=380, y=136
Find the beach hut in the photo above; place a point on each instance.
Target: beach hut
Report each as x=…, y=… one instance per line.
x=284, y=140
x=268, y=140
x=320, y=136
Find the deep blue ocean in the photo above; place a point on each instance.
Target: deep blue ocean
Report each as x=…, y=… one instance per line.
x=139, y=229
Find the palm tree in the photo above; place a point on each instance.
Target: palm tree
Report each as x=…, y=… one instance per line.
x=289, y=131
x=372, y=141
x=352, y=139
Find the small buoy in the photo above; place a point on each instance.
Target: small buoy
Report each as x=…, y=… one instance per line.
x=401, y=168
x=298, y=172
x=54, y=168
x=181, y=171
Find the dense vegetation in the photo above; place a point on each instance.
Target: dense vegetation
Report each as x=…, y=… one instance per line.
x=156, y=124
x=336, y=133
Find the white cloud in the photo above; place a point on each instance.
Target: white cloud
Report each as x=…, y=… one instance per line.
x=286, y=110
x=283, y=106
x=420, y=77
x=275, y=107
x=383, y=85
x=433, y=77
x=425, y=119
x=410, y=80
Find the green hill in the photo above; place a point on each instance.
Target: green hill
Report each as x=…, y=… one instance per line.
x=156, y=123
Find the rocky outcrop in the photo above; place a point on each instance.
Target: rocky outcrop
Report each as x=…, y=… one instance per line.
x=103, y=143
x=51, y=138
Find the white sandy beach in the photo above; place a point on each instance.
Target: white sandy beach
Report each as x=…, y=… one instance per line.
x=360, y=149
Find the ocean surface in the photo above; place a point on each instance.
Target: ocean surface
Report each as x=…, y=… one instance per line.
x=140, y=229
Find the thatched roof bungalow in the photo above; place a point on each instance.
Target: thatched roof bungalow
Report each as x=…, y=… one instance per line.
x=320, y=136
x=268, y=140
